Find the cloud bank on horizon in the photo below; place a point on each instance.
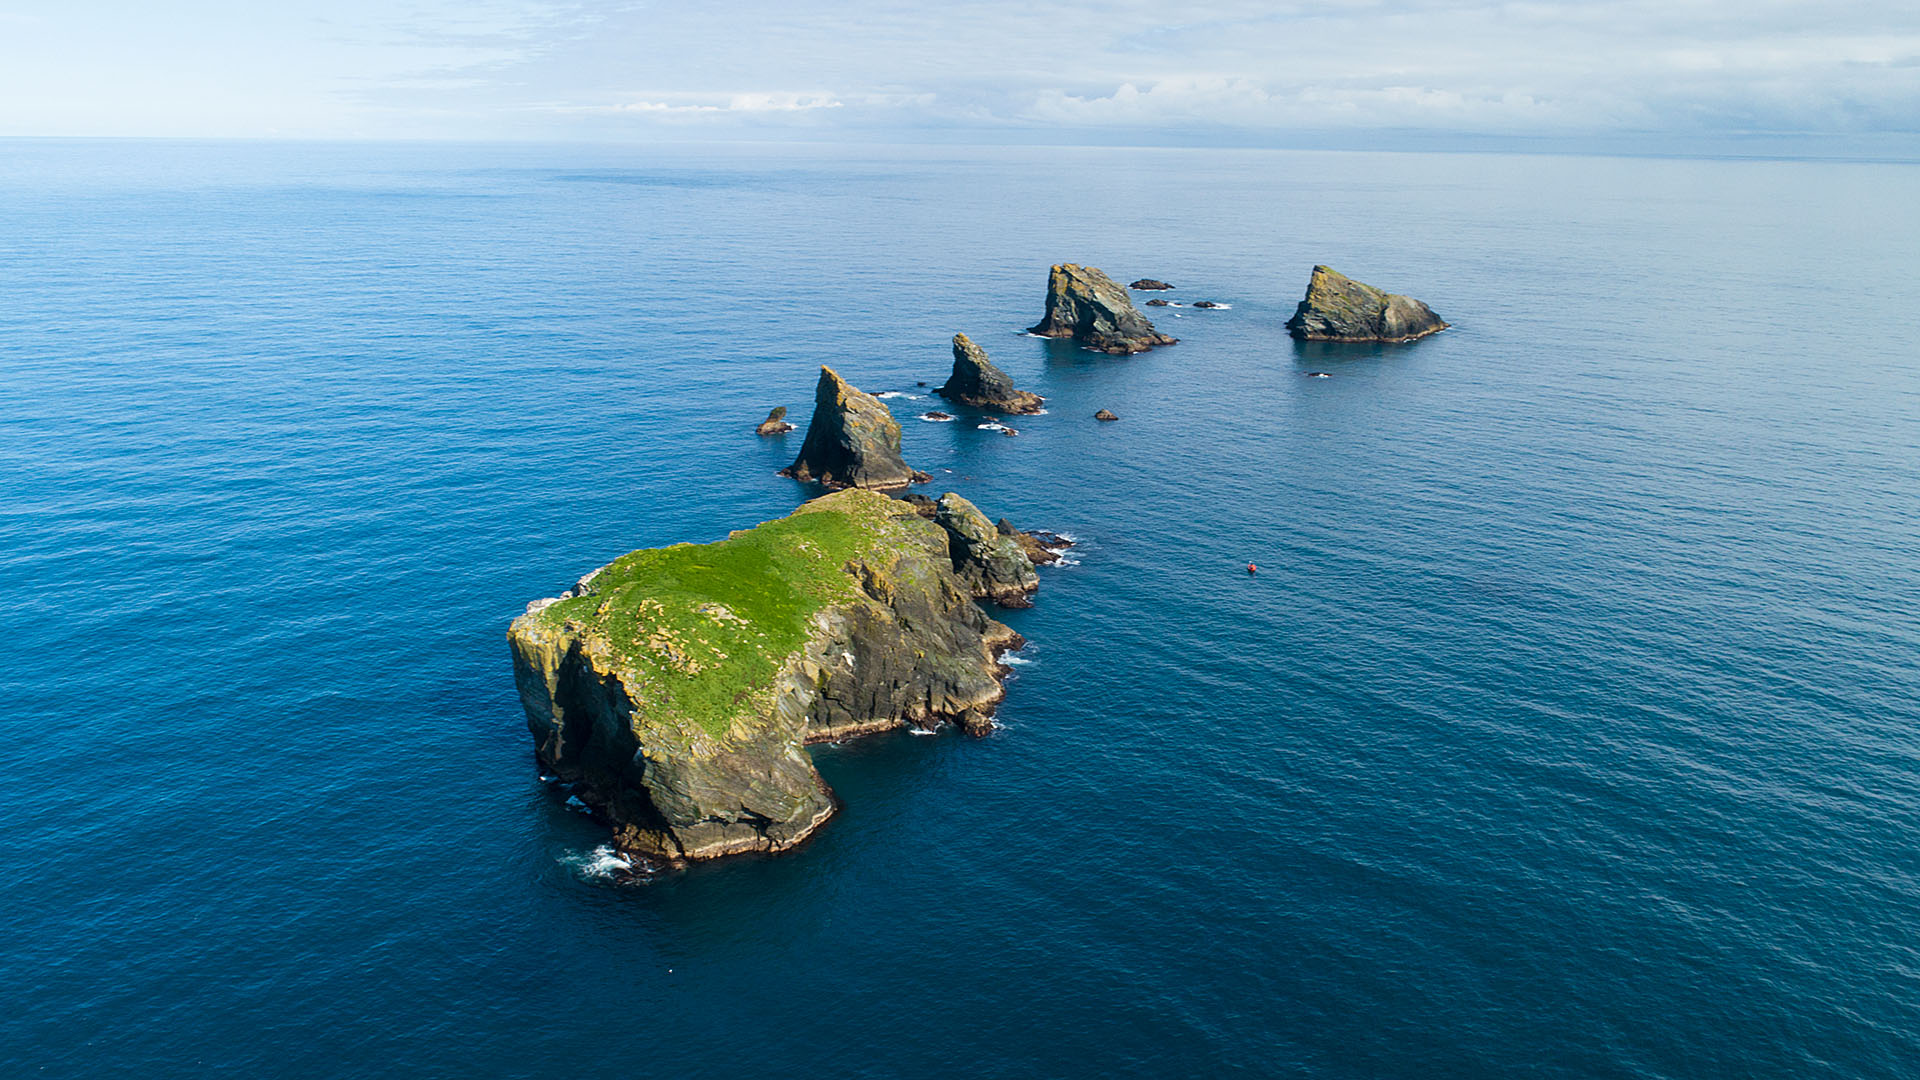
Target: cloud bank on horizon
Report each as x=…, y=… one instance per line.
x=1229, y=70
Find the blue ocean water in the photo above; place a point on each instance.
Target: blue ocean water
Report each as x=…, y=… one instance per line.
x=1571, y=727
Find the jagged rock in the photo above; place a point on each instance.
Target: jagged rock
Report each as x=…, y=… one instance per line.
x=1085, y=305
x=994, y=566
x=775, y=423
x=1157, y=302
x=936, y=414
x=852, y=441
x=976, y=381
x=1041, y=547
x=1146, y=284
x=1104, y=416
x=676, y=693
x=1338, y=308
x=1205, y=304
x=922, y=504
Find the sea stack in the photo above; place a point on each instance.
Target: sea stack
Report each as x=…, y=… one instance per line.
x=1087, y=306
x=852, y=440
x=674, y=690
x=1338, y=308
x=775, y=423
x=976, y=381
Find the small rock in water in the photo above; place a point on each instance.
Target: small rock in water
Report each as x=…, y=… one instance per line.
x=1103, y=416
x=1147, y=284
x=775, y=423
x=1319, y=375
x=1205, y=304
x=936, y=415
x=1157, y=302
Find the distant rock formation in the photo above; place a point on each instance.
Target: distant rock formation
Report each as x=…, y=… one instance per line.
x=775, y=423
x=994, y=566
x=1206, y=304
x=1157, y=302
x=1338, y=308
x=1147, y=284
x=852, y=440
x=1087, y=306
x=976, y=381
x=1104, y=416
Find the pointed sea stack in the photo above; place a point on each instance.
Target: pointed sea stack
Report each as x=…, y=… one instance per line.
x=1087, y=306
x=976, y=381
x=1338, y=308
x=852, y=441
x=775, y=423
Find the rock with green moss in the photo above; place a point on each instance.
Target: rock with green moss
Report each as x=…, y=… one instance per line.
x=1087, y=306
x=676, y=688
x=1338, y=308
x=852, y=440
x=994, y=566
x=978, y=382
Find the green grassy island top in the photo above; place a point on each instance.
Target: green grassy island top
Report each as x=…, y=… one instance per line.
x=699, y=631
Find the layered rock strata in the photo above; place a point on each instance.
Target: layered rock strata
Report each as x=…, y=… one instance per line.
x=1087, y=306
x=676, y=688
x=978, y=382
x=852, y=440
x=1338, y=308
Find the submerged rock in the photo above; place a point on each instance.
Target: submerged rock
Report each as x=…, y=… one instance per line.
x=676, y=691
x=1157, y=302
x=852, y=440
x=1087, y=306
x=994, y=566
x=775, y=423
x=976, y=381
x=1147, y=284
x=1338, y=308
x=1104, y=416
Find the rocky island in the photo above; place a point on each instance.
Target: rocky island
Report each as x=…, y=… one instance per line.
x=1087, y=306
x=676, y=688
x=852, y=440
x=1338, y=308
x=775, y=423
x=976, y=381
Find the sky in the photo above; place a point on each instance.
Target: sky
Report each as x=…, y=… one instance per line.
x=1229, y=72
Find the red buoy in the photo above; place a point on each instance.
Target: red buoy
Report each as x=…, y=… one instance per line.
x=1252, y=569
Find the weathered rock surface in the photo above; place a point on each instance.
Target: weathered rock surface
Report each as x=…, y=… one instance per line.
x=1208, y=304
x=1157, y=302
x=976, y=381
x=1104, y=416
x=993, y=565
x=852, y=440
x=1087, y=306
x=775, y=423
x=1147, y=284
x=675, y=688
x=1338, y=308
x=1041, y=547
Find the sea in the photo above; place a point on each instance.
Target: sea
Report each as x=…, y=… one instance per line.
x=1569, y=727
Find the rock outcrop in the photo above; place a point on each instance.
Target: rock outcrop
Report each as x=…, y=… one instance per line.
x=1085, y=305
x=1338, y=308
x=976, y=381
x=775, y=423
x=994, y=566
x=852, y=440
x=1147, y=284
x=1041, y=547
x=1104, y=416
x=674, y=689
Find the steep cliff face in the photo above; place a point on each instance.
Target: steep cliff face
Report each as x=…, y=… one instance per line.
x=978, y=382
x=1338, y=308
x=1087, y=306
x=676, y=687
x=994, y=565
x=852, y=440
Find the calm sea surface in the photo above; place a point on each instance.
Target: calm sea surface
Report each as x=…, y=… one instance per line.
x=1571, y=727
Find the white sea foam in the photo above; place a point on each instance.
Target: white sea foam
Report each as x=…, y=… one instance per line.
x=601, y=864
x=893, y=394
x=993, y=426
x=1016, y=659
x=1065, y=561
x=911, y=730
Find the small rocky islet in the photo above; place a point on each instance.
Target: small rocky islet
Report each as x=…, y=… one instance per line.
x=673, y=691
x=1338, y=308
